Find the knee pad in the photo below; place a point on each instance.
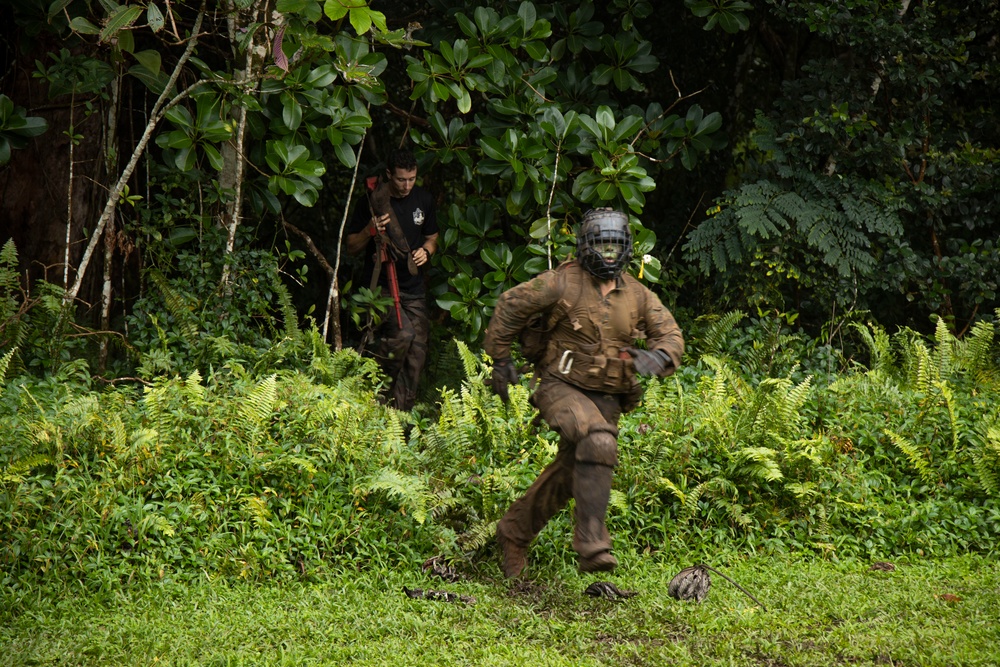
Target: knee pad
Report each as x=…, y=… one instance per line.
x=600, y=446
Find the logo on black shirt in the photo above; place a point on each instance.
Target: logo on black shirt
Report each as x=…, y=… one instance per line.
x=418, y=217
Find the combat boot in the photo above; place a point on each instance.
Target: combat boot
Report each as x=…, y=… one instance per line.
x=602, y=561
x=514, y=556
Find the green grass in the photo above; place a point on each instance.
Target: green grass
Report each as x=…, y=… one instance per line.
x=818, y=613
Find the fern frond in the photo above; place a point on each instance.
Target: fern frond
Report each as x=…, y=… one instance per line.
x=913, y=454
x=759, y=463
x=973, y=353
x=178, y=305
x=879, y=346
x=5, y=362
x=802, y=490
x=258, y=510
x=689, y=508
x=675, y=490
x=478, y=536
x=259, y=404
x=289, y=315
x=944, y=348
x=949, y=401
x=987, y=461
x=714, y=337
x=411, y=491
x=796, y=398
x=618, y=501
x=14, y=471
x=193, y=388
x=469, y=361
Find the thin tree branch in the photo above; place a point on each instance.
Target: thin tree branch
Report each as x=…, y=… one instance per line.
x=334, y=295
x=109, y=208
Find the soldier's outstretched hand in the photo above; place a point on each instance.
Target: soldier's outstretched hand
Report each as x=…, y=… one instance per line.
x=504, y=375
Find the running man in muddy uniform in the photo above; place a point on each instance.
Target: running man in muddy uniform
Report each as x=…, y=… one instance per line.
x=586, y=380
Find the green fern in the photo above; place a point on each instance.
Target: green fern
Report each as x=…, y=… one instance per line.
x=914, y=455
x=258, y=407
x=974, y=355
x=713, y=339
x=5, y=362
x=193, y=388
x=471, y=364
x=289, y=315
x=411, y=491
x=879, y=347
x=944, y=348
x=987, y=461
x=258, y=511
x=478, y=536
x=949, y=401
x=759, y=463
x=15, y=471
x=180, y=306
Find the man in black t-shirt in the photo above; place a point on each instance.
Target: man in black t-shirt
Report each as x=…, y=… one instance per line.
x=401, y=350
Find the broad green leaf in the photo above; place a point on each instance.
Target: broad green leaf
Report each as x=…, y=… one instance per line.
x=181, y=235
x=123, y=18
x=710, y=123
x=536, y=49
x=464, y=101
x=214, y=157
x=465, y=25
x=186, y=159
x=291, y=111
x=179, y=115
x=335, y=9
x=527, y=14
x=149, y=59
x=83, y=26
x=154, y=17
x=605, y=117
x=125, y=41
x=155, y=82
x=361, y=19
x=57, y=7
x=345, y=154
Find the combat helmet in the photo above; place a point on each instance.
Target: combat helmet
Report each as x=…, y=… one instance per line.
x=604, y=243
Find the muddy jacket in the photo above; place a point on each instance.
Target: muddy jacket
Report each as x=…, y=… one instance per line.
x=590, y=333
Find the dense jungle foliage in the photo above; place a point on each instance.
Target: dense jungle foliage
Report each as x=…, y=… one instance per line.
x=278, y=462
x=813, y=190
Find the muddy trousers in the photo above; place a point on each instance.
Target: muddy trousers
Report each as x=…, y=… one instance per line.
x=402, y=351
x=583, y=469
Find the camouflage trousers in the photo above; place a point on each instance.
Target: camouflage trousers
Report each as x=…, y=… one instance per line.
x=587, y=424
x=402, y=351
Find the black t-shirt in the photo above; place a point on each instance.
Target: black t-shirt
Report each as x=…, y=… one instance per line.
x=416, y=215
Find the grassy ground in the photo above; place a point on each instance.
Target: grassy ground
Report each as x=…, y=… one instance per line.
x=818, y=613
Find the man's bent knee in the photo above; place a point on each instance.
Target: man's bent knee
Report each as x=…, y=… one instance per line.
x=599, y=446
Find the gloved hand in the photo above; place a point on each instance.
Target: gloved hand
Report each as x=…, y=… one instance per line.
x=651, y=362
x=504, y=374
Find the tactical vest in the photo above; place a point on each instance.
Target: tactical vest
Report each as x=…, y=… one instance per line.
x=586, y=342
